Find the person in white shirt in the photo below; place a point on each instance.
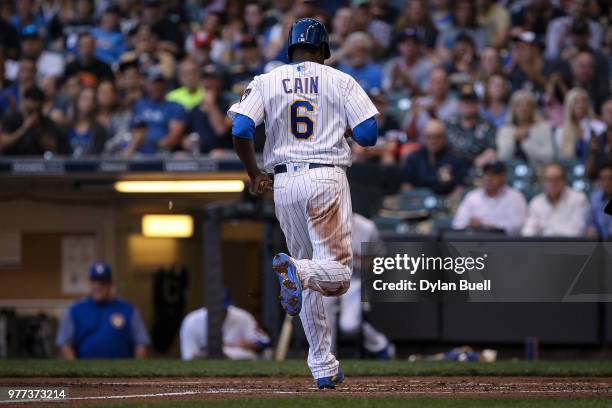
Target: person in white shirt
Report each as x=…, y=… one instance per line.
x=558, y=211
x=493, y=206
x=242, y=337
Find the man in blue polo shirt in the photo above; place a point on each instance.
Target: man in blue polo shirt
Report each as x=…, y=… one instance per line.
x=101, y=325
x=164, y=120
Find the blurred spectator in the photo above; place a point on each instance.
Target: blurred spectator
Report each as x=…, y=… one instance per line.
x=341, y=28
x=600, y=147
x=359, y=62
x=525, y=136
x=441, y=15
x=147, y=53
x=437, y=103
x=534, y=16
x=76, y=22
x=494, y=107
x=390, y=135
x=243, y=339
x=87, y=67
x=410, y=70
x=110, y=42
x=463, y=62
x=579, y=125
x=168, y=32
x=528, y=68
x=584, y=75
x=112, y=115
x=191, y=92
x=85, y=134
x=164, y=120
x=28, y=132
x=364, y=21
x=490, y=64
x=9, y=38
x=435, y=166
x=26, y=15
x=469, y=135
x=102, y=325
x=130, y=83
x=559, y=211
x=248, y=62
x=48, y=63
x=556, y=34
x=208, y=120
x=493, y=206
x=464, y=22
x=10, y=98
x=601, y=223
x=495, y=18
x=416, y=16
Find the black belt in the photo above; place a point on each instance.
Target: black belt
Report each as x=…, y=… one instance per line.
x=282, y=168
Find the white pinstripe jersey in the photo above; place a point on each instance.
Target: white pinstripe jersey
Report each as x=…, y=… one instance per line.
x=306, y=108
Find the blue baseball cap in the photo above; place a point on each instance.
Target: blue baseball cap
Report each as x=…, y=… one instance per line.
x=100, y=271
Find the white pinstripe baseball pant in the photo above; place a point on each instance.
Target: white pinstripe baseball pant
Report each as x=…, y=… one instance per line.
x=313, y=207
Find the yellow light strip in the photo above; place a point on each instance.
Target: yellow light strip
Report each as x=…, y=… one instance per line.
x=180, y=186
x=167, y=226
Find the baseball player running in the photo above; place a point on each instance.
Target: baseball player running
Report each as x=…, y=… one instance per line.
x=307, y=108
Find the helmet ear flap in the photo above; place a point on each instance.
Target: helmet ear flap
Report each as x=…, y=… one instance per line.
x=326, y=51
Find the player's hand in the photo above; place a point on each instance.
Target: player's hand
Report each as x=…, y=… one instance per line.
x=260, y=183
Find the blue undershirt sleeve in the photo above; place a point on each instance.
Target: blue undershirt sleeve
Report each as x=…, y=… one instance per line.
x=243, y=126
x=366, y=132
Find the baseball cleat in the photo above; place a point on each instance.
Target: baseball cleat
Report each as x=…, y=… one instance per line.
x=330, y=382
x=290, y=285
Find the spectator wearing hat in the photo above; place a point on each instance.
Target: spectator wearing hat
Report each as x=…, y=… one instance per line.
x=87, y=67
x=48, y=63
x=600, y=223
x=469, y=135
x=359, y=62
x=248, y=62
x=556, y=34
x=434, y=165
x=110, y=41
x=410, y=70
x=162, y=120
x=243, y=339
x=208, y=120
x=102, y=325
x=190, y=93
x=528, y=69
x=494, y=205
x=130, y=83
x=525, y=136
x=558, y=211
x=580, y=36
x=29, y=131
x=79, y=22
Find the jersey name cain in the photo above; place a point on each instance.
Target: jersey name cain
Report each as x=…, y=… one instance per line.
x=307, y=85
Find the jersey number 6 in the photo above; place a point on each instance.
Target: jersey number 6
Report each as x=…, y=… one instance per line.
x=302, y=127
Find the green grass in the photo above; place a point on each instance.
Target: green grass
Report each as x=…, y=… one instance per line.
x=381, y=402
x=213, y=368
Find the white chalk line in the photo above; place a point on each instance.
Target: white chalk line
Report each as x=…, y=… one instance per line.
x=280, y=392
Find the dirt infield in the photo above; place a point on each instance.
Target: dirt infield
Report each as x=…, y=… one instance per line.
x=86, y=391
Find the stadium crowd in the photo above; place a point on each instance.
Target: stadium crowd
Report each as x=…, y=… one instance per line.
x=465, y=88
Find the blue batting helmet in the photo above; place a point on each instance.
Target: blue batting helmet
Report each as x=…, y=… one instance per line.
x=308, y=31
